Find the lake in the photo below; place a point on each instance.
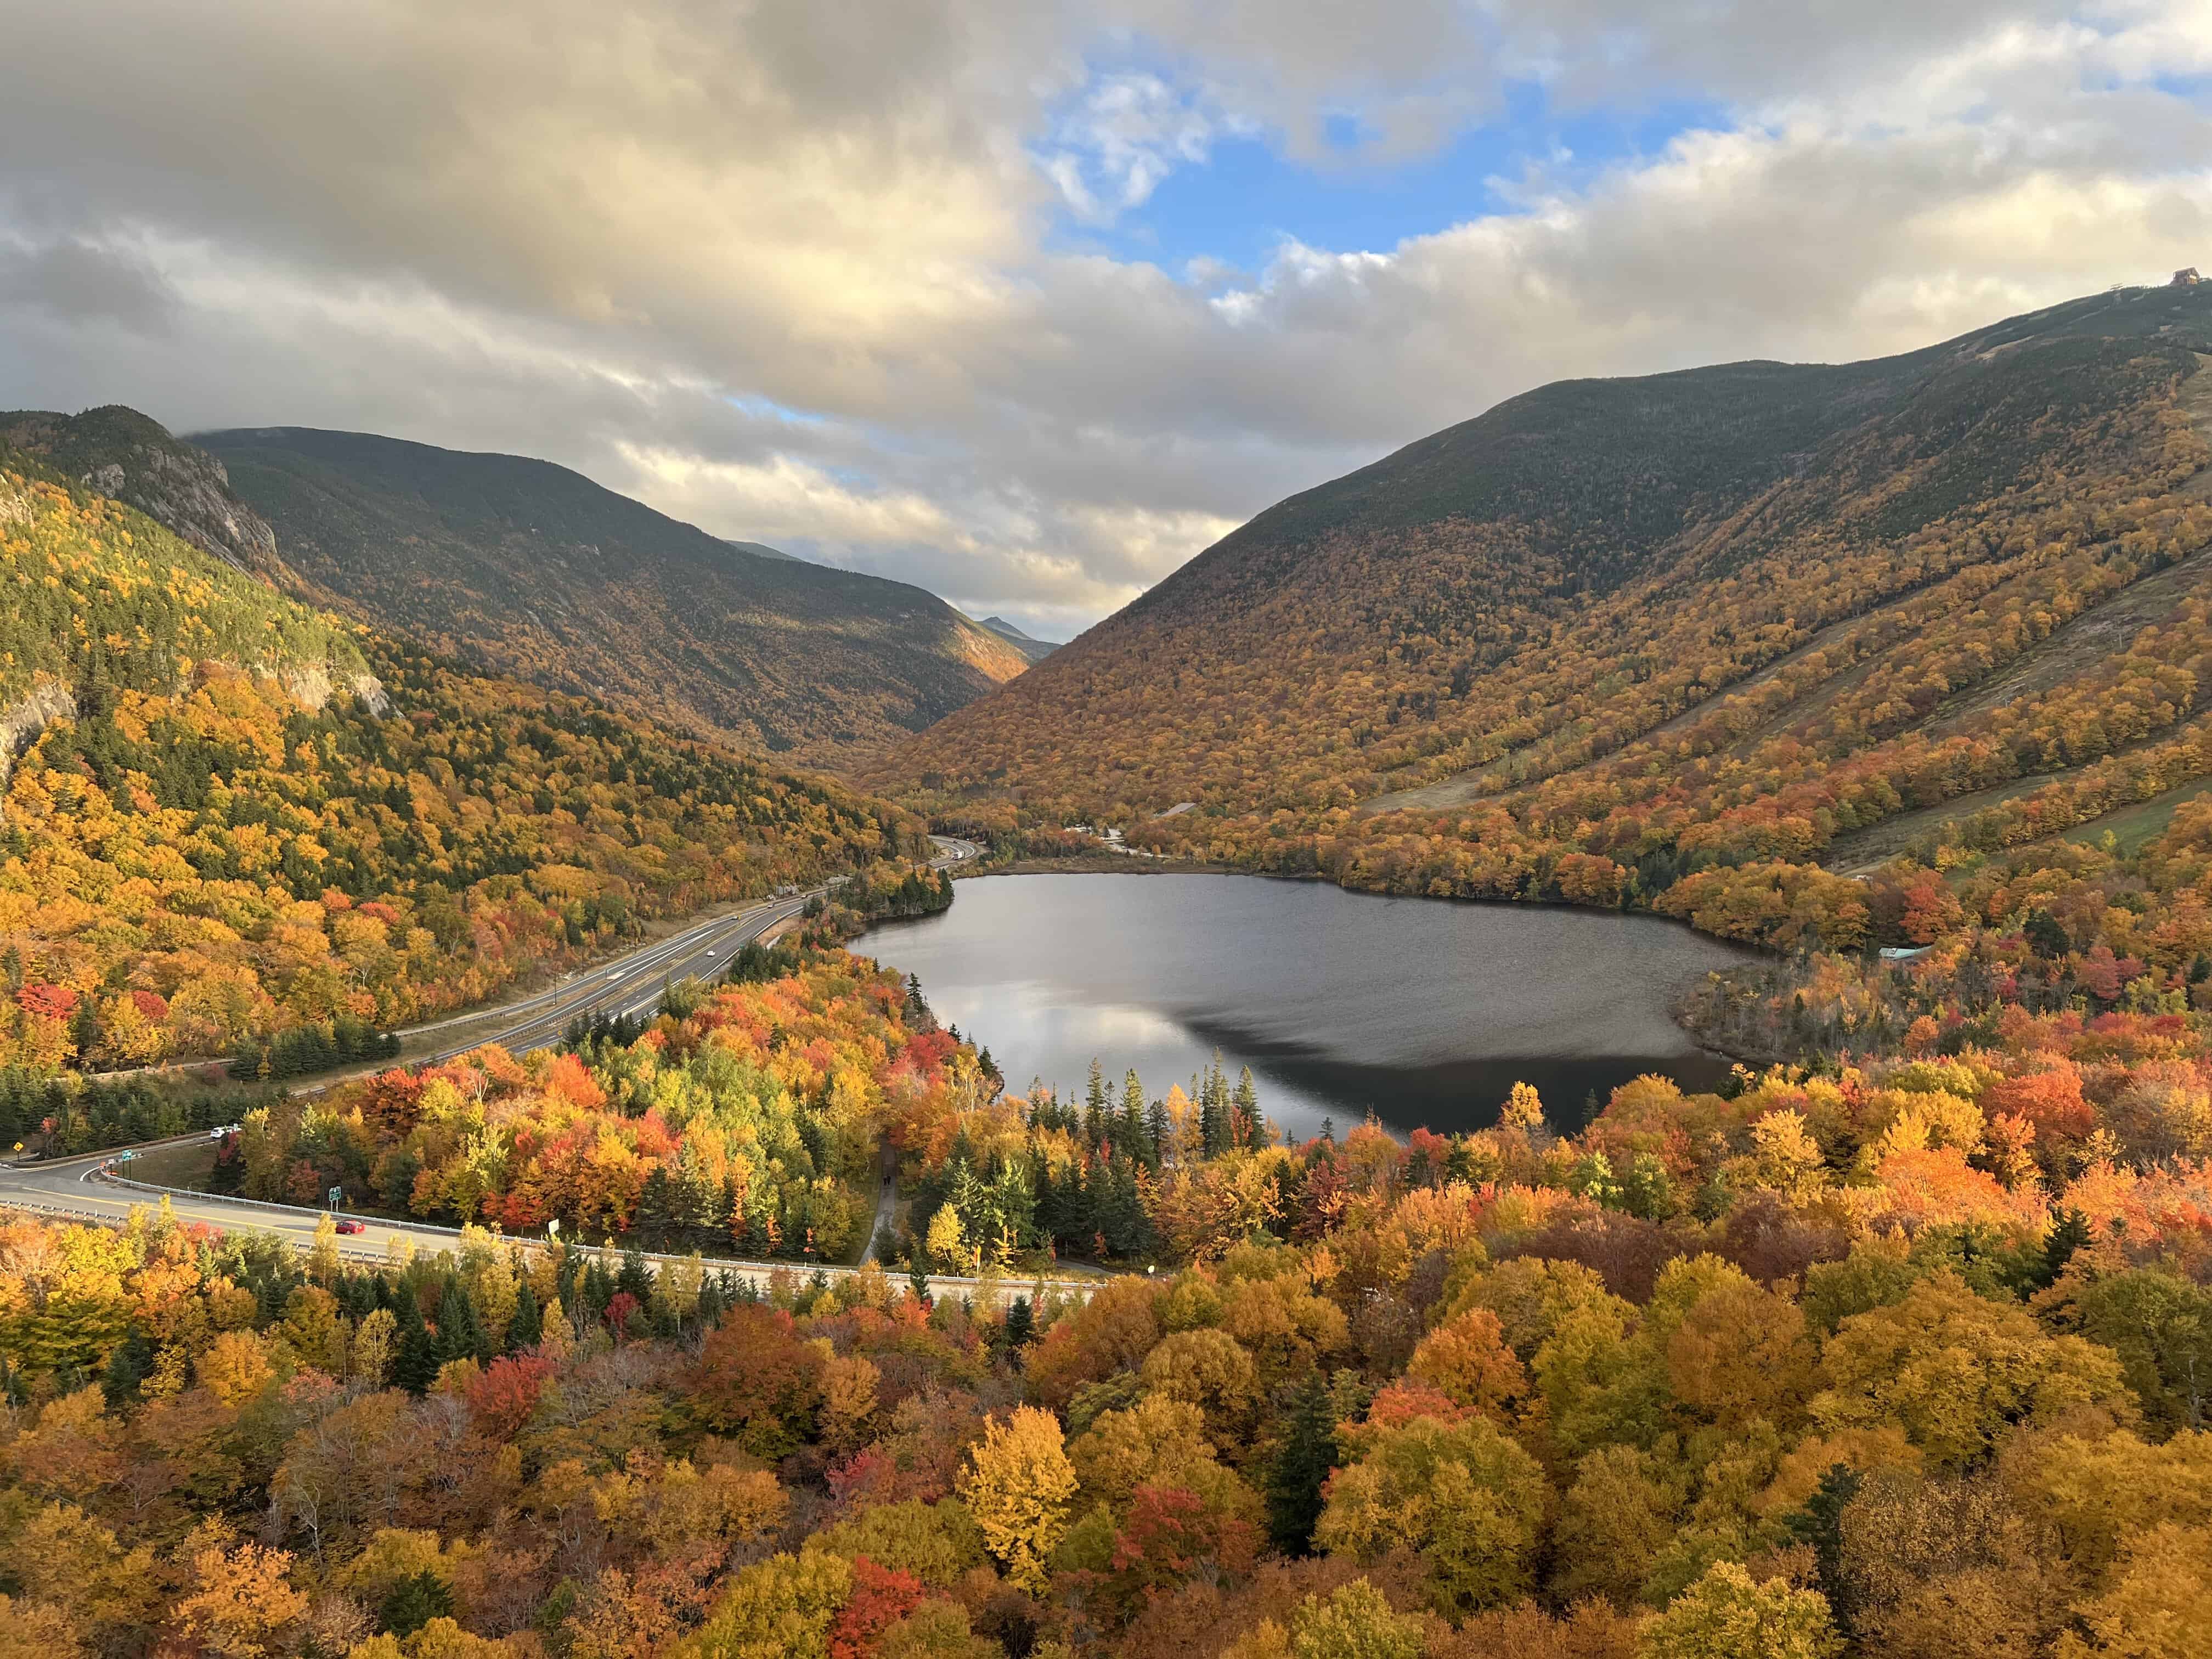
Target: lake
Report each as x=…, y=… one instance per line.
x=1426, y=1012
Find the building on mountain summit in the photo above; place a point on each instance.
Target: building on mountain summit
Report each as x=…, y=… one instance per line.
x=2186, y=277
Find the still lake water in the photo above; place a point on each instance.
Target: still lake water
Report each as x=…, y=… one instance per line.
x=1426, y=1010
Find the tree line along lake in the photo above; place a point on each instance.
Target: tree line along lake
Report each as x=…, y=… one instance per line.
x=1424, y=1012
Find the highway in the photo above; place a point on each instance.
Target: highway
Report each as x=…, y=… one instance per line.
x=633, y=984
x=95, y=1187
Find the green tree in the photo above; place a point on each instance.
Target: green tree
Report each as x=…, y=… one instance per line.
x=1463, y=1497
x=414, y=1602
x=1356, y=1622
x=2160, y=1326
x=414, y=1352
x=1301, y=1467
x=527, y=1328
x=1727, y=1615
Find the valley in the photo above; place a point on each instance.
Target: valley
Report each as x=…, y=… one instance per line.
x=758, y=1244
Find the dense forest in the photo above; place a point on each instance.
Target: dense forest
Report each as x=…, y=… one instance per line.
x=1705, y=643
x=1897, y=1346
x=1903, y=1357
x=229, y=818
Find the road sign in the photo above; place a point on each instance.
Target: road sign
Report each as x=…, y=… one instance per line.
x=337, y=1196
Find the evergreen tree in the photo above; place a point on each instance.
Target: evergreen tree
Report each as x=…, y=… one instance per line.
x=415, y=1356
x=130, y=1364
x=2045, y=936
x=1094, y=1105
x=414, y=1602
x=656, y=1202
x=2069, y=1233
x=1300, y=1466
x=1245, y=1104
x=596, y=1290
x=635, y=1277
x=526, y=1329
x=461, y=1332
x=1153, y=1147
x=1021, y=1324
x=1130, y=1131
x=1819, y=1524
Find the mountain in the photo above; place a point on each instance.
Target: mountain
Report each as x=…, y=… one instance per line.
x=228, y=817
x=123, y=454
x=763, y=550
x=1632, y=629
x=524, y=567
x=1036, y=650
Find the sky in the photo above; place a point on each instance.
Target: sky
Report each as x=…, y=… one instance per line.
x=1029, y=303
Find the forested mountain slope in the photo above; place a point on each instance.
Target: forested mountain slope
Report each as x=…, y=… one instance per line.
x=122, y=453
x=524, y=567
x=228, y=816
x=1612, y=633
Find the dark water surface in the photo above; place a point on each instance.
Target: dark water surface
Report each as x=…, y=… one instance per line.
x=1426, y=1010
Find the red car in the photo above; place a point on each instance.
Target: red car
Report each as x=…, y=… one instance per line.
x=351, y=1227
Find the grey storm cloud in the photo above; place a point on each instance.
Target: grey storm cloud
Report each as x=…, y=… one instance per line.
x=792, y=271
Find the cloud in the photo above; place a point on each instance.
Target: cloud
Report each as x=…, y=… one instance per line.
x=79, y=283
x=806, y=275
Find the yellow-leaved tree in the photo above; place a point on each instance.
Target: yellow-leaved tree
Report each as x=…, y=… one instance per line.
x=1017, y=1486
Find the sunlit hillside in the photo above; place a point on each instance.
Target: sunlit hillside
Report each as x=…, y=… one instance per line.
x=1618, y=633
x=228, y=816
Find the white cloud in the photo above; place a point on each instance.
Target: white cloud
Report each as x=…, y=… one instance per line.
x=633, y=238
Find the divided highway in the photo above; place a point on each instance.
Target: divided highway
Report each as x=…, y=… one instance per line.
x=633, y=984
x=93, y=1188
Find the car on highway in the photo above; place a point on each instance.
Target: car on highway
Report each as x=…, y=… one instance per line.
x=349, y=1225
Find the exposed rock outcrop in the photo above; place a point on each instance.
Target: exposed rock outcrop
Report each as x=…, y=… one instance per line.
x=22, y=720
x=122, y=453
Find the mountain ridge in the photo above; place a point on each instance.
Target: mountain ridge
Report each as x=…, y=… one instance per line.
x=524, y=566
x=1597, y=606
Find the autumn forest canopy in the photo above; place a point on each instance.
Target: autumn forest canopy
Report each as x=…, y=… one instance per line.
x=1898, y=1344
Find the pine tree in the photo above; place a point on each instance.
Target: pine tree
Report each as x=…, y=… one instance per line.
x=1245, y=1104
x=1021, y=1324
x=415, y=1359
x=635, y=1277
x=527, y=1328
x=1300, y=1467
x=597, y=1290
x=130, y=1364
x=414, y=1602
x=656, y=1202
x=461, y=1332
x=1819, y=1524
x=1094, y=1105
x=1131, y=1133
x=2046, y=937
x=2068, y=1234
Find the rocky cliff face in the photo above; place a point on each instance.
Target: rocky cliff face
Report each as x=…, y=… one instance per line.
x=22, y=720
x=122, y=453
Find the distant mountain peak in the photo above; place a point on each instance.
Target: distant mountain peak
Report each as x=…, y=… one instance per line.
x=1029, y=645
